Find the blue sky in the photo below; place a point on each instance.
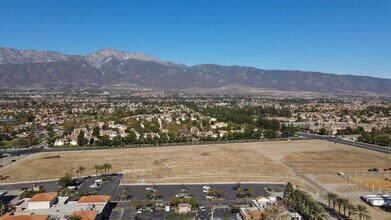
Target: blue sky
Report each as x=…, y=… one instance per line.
x=336, y=36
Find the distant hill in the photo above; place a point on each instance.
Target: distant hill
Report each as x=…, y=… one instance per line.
x=108, y=67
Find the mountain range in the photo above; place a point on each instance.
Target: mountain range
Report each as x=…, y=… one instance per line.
x=109, y=67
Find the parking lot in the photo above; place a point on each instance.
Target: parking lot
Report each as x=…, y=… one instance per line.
x=217, y=206
x=168, y=191
x=110, y=186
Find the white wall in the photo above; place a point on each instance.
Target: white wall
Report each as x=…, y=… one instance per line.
x=38, y=205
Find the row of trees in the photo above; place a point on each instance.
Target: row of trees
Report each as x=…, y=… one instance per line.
x=348, y=208
x=301, y=202
x=377, y=136
x=104, y=167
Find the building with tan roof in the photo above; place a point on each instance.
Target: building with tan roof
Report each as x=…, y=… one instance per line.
x=42, y=201
x=87, y=215
x=24, y=217
x=94, y=199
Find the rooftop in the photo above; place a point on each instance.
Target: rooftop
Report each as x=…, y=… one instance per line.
x=61, y=210
x=86, y=215
x=24, y=217
x=94, y=199
x=41, y=197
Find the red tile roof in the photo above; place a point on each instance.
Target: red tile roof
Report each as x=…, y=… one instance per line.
x=42, y=197
x=24, y=217
x=256, y=214
x=94, y=199
x=86, y=215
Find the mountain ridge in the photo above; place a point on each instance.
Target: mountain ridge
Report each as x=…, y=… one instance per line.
x=108, y=66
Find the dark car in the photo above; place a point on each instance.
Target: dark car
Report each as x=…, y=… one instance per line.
x=234, y=188
x=13, y=161
x=375, y=170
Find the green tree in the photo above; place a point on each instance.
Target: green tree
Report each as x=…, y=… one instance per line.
x=65, y=181
x=107, y=167
x=97, y=168
x=363, y=212
x=80, y=171
x=81, y=141
x=66, y=192
x=331, y=199
x=271, y=213
x=125, y=194
x=352, y=209
x=95, y=131
x=345, y=203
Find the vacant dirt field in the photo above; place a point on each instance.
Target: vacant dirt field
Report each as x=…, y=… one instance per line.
x=263, y=161
x=310, y=164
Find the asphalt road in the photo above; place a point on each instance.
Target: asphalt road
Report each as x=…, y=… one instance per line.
x=47, y=186
x=378, y=148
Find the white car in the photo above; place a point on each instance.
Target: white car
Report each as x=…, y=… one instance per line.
x=139, y=211
x=210, y=197
x=202, y=208
x=98, y=181
x=95, y=185
x=205, y=189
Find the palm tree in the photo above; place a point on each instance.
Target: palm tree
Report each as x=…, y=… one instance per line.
x=345, y=203
x=362, y=212
x=318, y=212
x=331, y=199
x=339, y=202
x=352, y=210
x=97, y=167
x=107, y=167
x=80, y=170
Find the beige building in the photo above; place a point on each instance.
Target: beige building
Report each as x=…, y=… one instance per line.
x=42, y=201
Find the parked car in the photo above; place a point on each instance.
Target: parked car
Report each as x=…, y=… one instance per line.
x=150, y=189
x=210, y=197
x=235, y=188
x=139, y=211
x=98, y=181
x=202, y=208
x=95, y=185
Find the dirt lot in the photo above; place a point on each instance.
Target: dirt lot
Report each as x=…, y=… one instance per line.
x=310, y=164
x=264, y=161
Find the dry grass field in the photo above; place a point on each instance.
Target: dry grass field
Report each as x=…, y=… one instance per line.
x=310, y=164
x=322, y=167
x=246, y=162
